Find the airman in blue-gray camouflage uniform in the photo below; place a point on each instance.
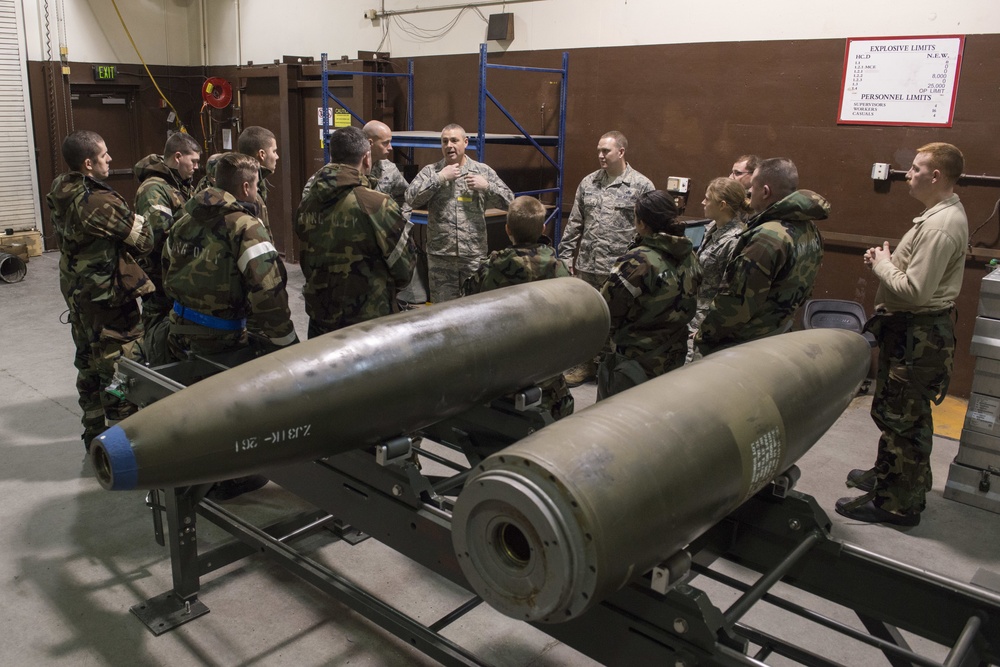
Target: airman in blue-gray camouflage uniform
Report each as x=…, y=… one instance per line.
x=386, y=177
x=652, y=295
x=219, y=267
x=914, y=327
x=384, y=173
x=99, y=239
x=602, y=223
x=355, y=251
x=456, y=192
x=530, y=258
x=725, y=203
x=774, y=264
x=164, y=187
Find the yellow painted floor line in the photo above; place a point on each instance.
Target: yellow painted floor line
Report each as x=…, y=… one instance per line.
x=949, y=417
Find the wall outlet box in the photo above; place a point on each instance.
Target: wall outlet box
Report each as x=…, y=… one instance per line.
x=880, y=171
x=678, y=184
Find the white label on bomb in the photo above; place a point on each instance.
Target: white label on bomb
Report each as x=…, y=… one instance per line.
x=765, y=455
x=246, y=444
x=286, y=434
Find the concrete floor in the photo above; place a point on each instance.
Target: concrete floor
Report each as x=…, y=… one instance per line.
x=77, y=557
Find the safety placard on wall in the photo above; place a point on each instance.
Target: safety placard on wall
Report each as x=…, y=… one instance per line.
x=901, y=81
x=334, y=117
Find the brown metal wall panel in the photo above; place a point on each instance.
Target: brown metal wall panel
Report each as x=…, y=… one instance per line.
x=688, y=110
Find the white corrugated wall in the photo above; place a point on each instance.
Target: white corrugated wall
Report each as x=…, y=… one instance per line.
x=19, y=207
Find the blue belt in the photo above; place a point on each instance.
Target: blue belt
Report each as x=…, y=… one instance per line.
x=209, y=321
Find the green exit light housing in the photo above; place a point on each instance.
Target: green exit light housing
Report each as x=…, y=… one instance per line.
x=105, y=72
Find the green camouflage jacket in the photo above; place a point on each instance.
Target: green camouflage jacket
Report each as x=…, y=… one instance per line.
x=652, y=294
x=518, y=264
x=714, y=254
x=219, y=261
x=208, y=180
x=524, y=263
x=356, y=250
x=262, y=203
x=160, y=199
x=772, y=272
x=456, y=220
x=98, y=238
x=602, y=222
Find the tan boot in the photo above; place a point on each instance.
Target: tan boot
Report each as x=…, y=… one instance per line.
x=585, y=372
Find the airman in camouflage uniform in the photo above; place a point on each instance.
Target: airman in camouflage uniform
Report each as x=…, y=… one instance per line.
x=355, y=250
x=723, y=202
x=714, y=254
x=530, y=258
x=98, y=239
x=208, y=180
x=521, y=263
x=219, y=267
x=774, y=264
x=602, y=222
x=652, y=295
x=384, y=173
x=456, y=192
x=386, y=177
x=260, y=144
x=743, y=168
x=164, y=187
x=918, y=286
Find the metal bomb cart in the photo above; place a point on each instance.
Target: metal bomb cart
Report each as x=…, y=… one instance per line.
x=596, y=529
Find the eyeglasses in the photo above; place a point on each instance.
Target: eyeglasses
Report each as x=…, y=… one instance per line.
x=736, y=172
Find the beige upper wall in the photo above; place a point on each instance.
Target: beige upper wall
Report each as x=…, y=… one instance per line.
x=339, y=28
x=167, y=32
x=170, y=32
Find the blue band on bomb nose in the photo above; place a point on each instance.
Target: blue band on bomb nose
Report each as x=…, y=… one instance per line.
x=121, y=459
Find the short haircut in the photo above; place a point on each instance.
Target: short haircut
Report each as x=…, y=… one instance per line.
x=233, y=170
x=253, y=139
x=779, y=174
x=525, y=219
x=348, y=145
x=79, y=146
x=373, y=127
x=727, y=191
x=180, y=142
x=454, y=126
x=752, y=161
x=658, y=210
x=212, y=163
x=945, y=158
x=619, y=138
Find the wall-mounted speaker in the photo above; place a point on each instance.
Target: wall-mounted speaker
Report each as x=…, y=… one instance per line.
x=501, y=27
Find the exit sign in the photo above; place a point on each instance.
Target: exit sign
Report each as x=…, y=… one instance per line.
x=105, y=72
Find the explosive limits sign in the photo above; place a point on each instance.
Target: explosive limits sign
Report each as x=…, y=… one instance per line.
x=901, y=81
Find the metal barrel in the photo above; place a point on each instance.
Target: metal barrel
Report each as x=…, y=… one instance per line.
x=12, y=268
x=555, y=523
x=356, y=386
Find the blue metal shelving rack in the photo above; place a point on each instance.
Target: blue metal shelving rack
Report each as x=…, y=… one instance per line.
x=411, y=139
x=327, y=96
